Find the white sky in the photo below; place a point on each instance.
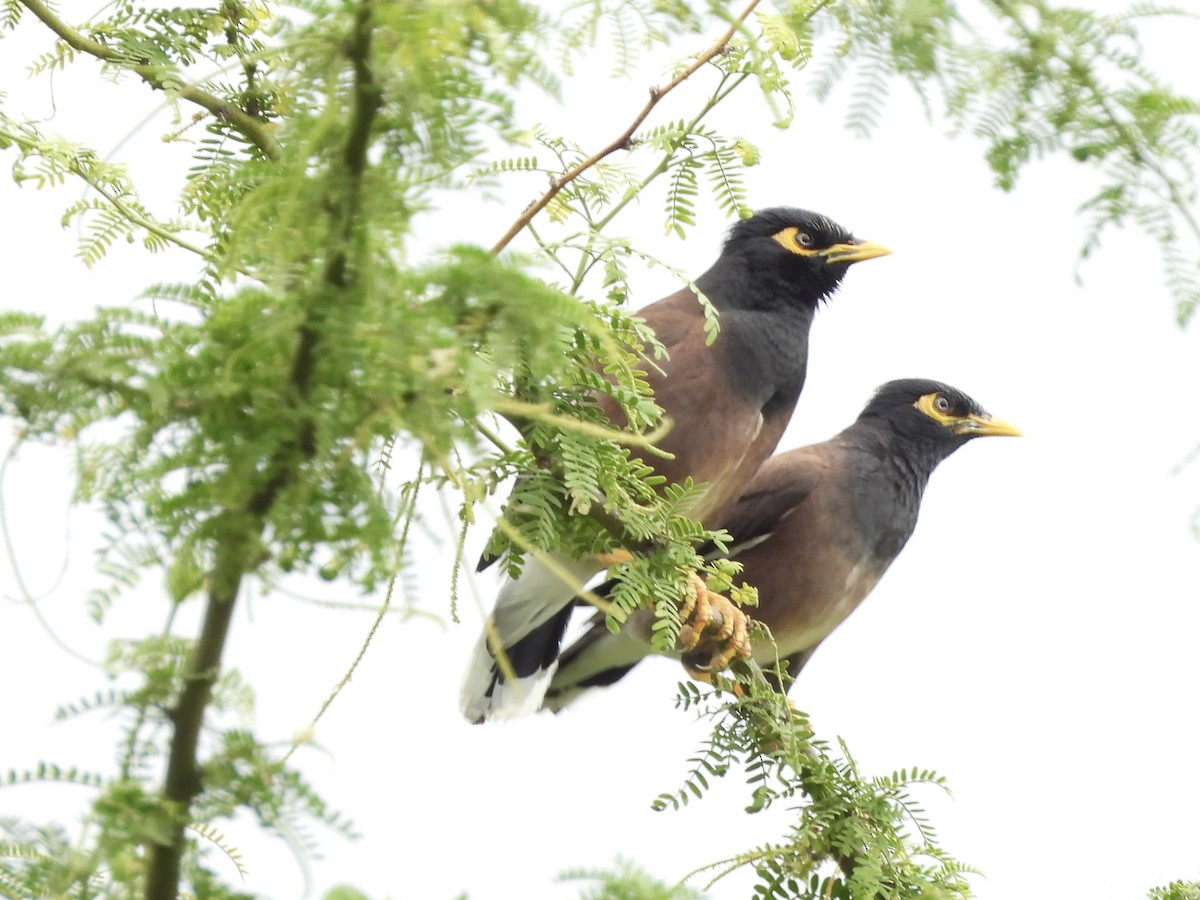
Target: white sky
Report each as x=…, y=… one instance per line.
x=1035, y=643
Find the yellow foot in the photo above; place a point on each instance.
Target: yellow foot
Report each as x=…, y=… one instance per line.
x=715, y=620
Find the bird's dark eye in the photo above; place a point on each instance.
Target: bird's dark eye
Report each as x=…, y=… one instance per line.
x=941, y=404
x=804, y=239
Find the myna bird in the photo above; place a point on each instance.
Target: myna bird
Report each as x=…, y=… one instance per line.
x=814, y=531
x=728, y=404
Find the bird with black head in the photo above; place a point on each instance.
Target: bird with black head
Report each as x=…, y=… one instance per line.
x=727, y=404
x=814, y=531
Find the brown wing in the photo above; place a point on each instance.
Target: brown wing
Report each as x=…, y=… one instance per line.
x=781, y=484
x=718, y=435
x=814, y=568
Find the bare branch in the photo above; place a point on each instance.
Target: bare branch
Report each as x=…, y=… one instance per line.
x=622, y=142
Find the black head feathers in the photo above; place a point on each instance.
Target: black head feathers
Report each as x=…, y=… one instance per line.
x=768, y=222
x=919, y=411
x=783, y=258
x=902, y=393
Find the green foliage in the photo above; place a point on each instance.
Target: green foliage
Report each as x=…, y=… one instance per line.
x=240, y=776
x=1060, y=80
x=38, y=859
x=700, y=153
x=1176, y=890
x=241, y=424
x=628, y=28
x=344, y=892
x=47, y=772
x=658, y=577
x=626, y=881
x=870, y=827
x=258, y=407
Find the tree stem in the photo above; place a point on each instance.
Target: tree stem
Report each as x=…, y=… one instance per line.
x=182, y=782
x=237, y=553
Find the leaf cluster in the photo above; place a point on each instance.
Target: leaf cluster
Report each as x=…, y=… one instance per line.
x=870, y=828
x=240, y=774
x=1176, y=890
x=626, y=880
x=1060, y=80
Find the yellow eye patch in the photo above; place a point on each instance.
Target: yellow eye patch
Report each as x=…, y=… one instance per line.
x=848, y=252
x=926, y=404
x=974, y=424
x=786, y=238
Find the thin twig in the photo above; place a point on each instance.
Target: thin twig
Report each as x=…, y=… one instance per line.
x=345, y=679
x=541, y=412
x=555, y=568
x=130, y=214
x=497, y=441
x=718, y=94
x=254, y=130
x=408, y=512
x=133, y=216
x=623, y=141
x=27, y=596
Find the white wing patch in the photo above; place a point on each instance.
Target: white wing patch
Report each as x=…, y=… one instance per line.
x=546, y=586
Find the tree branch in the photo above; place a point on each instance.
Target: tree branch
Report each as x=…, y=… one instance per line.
x=237, y=553
x=622, y=142
x=136, y=218
x=254, y=130
x=182, y=782
x=719, y=94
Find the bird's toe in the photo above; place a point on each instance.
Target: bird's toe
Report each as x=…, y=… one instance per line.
x=715, y=631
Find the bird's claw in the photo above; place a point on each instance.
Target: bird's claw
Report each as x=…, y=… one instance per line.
x=718, y=622
x=694, y=613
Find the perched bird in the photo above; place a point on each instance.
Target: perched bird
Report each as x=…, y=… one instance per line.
x=728, y=405
x=814, y=531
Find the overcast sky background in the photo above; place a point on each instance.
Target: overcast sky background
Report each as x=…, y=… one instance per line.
x=1035, y=643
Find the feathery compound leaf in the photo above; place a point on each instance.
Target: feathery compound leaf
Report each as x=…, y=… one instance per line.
x=100, y=700
x=781, y=37
x=1176, y=890
x=857, y=823
x=681, y=197
x=217, y=839
x=50, y=772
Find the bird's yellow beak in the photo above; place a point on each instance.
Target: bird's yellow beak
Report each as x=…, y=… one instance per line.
x=853, y=252
x=984, y=426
